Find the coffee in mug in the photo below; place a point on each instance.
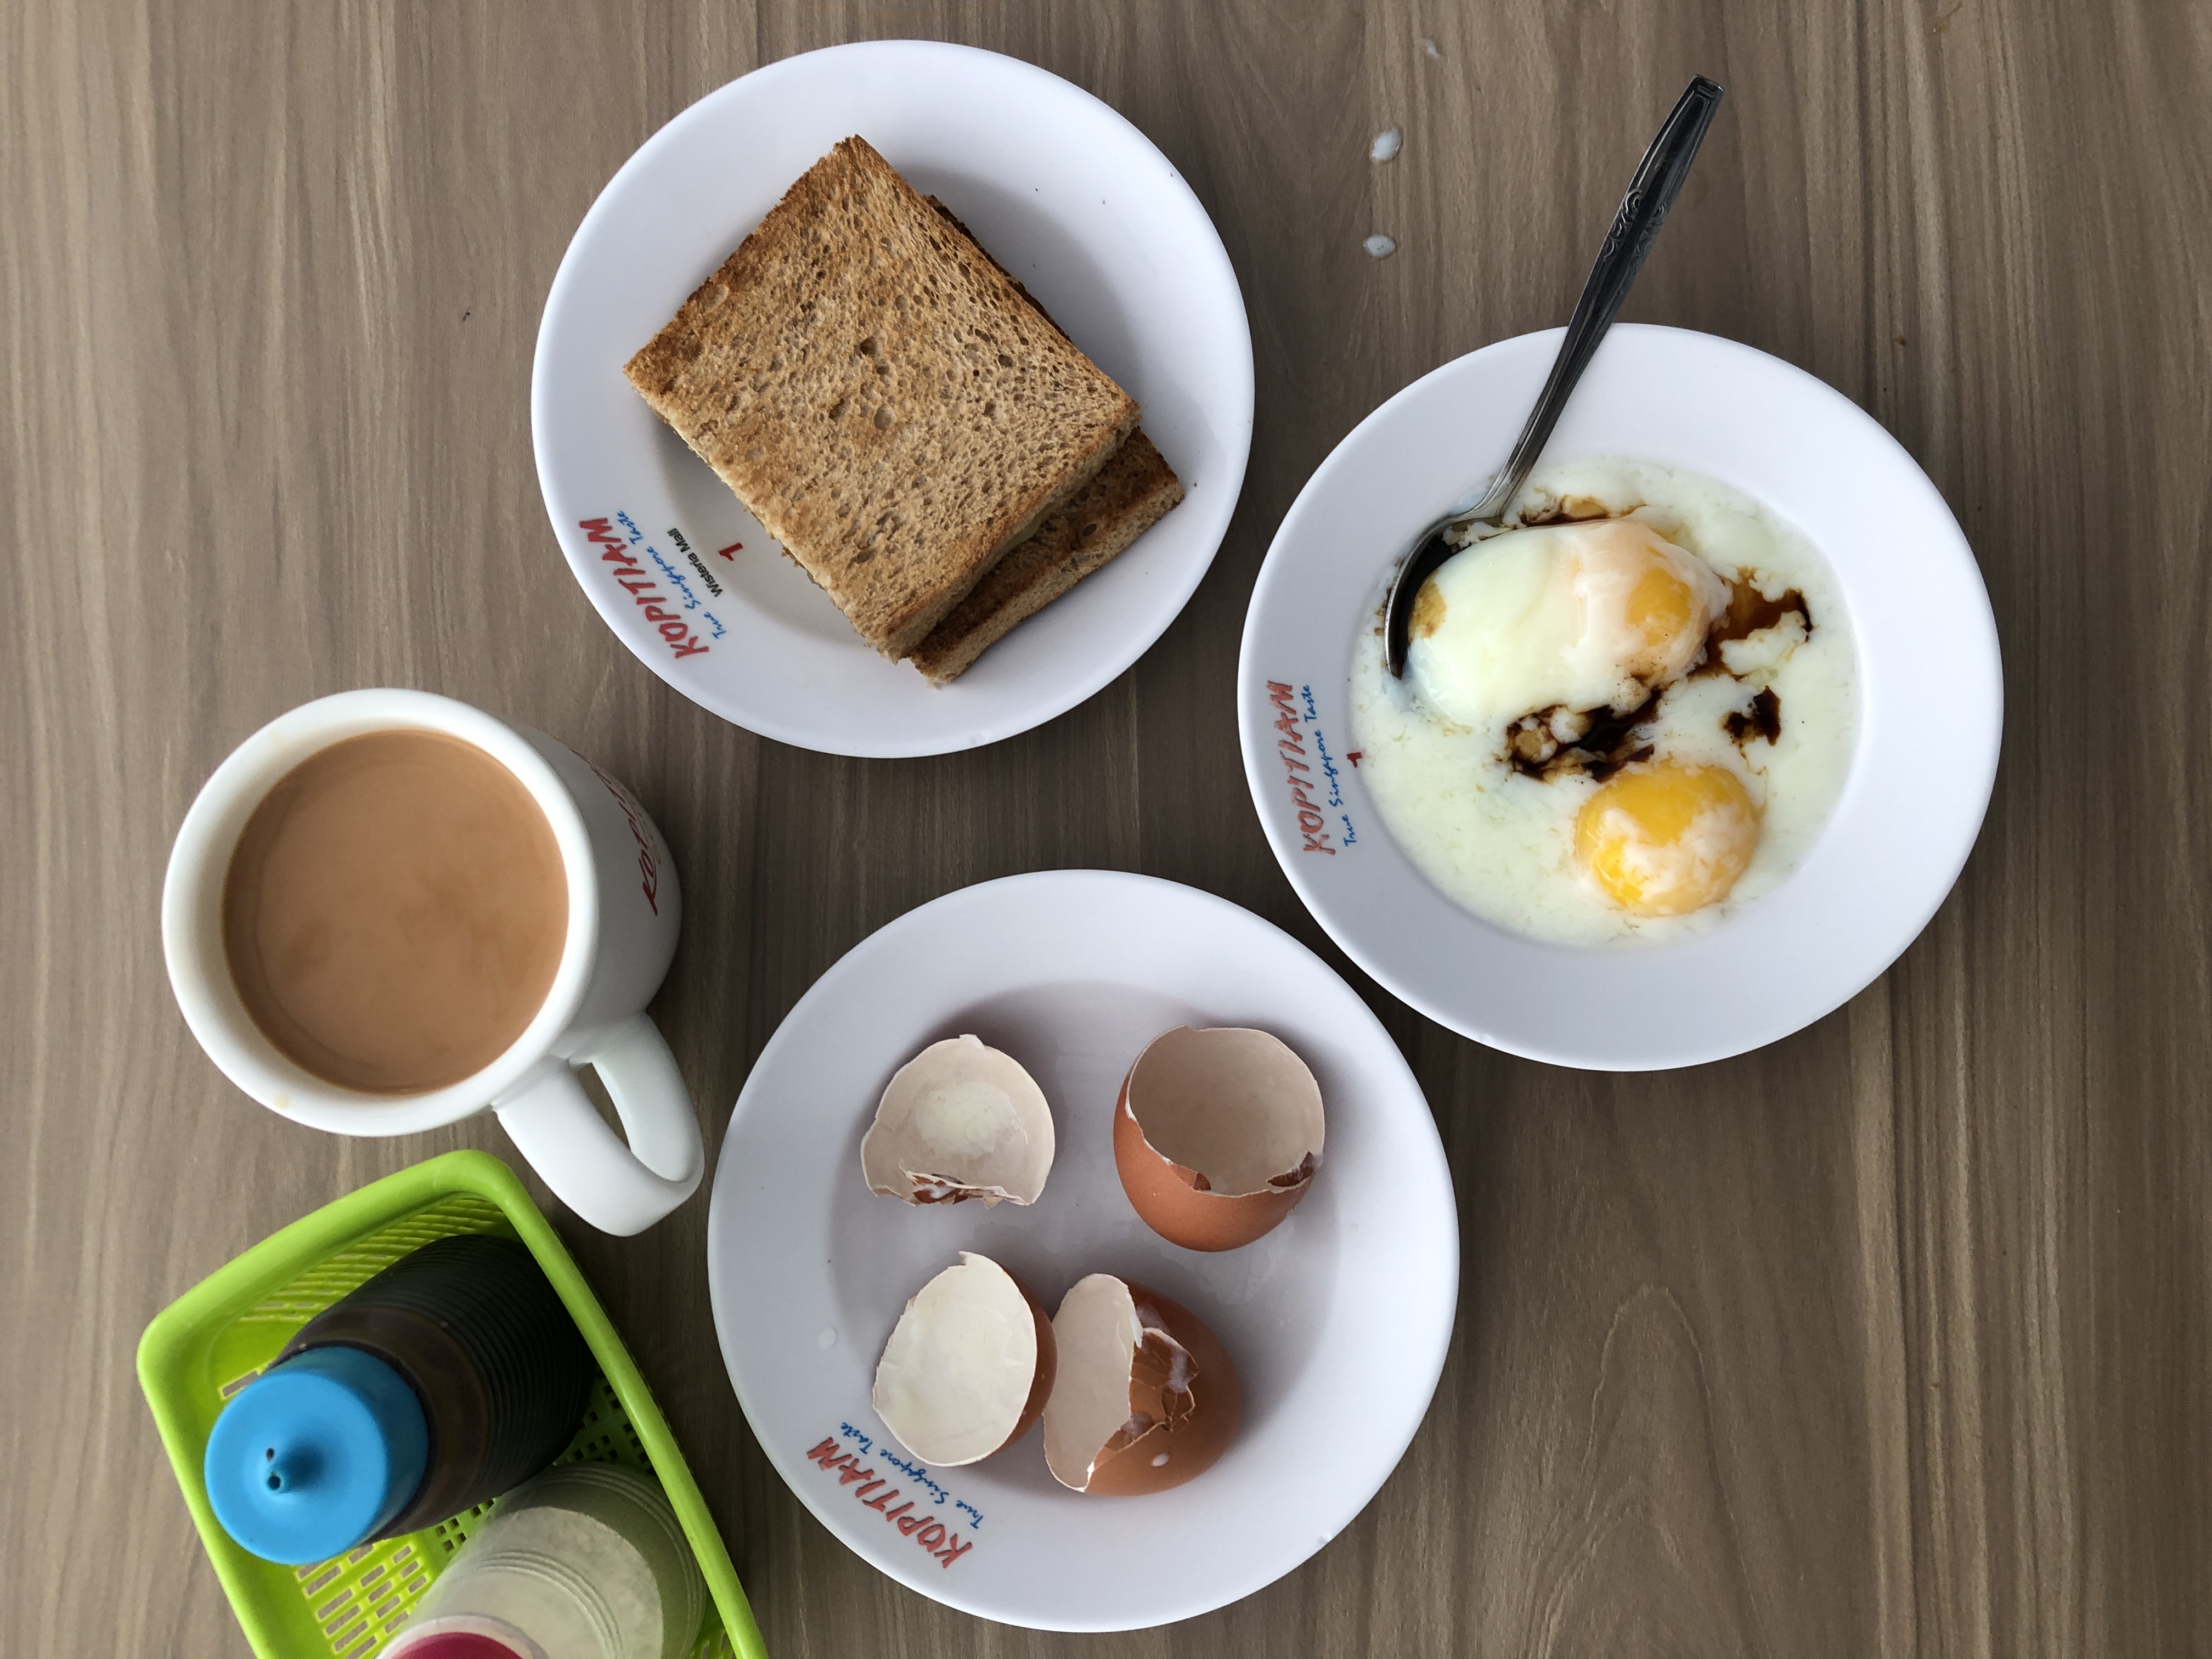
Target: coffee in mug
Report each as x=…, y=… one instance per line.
x=386, y=911
x=395, y=911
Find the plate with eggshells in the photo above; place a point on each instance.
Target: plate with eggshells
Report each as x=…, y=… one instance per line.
x=1082, y=1251
x=1685, y=752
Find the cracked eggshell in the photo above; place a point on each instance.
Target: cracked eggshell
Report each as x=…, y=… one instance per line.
x=1146, y=1397
x=960, y=1120
x=1217, y=1135
x=968, y=1367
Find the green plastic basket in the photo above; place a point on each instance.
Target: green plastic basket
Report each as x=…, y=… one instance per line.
x=216, y=1338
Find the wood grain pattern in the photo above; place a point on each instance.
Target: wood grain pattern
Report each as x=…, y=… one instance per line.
x=1894, y=1337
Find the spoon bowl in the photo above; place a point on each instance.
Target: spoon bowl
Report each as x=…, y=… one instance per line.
x=1651, y=192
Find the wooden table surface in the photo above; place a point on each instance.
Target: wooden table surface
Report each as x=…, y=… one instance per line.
x=1893, y=1337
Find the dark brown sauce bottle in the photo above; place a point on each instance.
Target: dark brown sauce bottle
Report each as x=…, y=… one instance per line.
x=479, y=1333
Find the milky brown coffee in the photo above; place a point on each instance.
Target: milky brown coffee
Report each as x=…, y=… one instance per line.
x=395, y=912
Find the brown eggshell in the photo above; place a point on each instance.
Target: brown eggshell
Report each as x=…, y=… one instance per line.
x=1190, y=1428
x=1200, y=1093
x=1048, y=1366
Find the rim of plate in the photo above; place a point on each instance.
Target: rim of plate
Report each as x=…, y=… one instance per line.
x=1909, y=812
x=1385, y=1131
x=1203, y=421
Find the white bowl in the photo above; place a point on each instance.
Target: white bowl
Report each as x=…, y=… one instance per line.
x=1930, y=701
x=1337, y=1321
x=1067, y=195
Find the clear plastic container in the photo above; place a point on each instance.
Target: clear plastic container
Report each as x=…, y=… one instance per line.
x=584, y=1562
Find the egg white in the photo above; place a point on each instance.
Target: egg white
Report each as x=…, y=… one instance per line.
x=1501, y=844
x=1539, y=619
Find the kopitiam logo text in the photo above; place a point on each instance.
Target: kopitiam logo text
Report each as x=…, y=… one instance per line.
x=629, y=575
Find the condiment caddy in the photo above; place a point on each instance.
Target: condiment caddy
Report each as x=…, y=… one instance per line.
x=222, y=1335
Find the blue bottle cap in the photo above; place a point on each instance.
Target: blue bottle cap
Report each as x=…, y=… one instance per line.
x=316, y=1455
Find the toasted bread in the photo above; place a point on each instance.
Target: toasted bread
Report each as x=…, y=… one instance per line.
x=880, y=396
x=1129, y=495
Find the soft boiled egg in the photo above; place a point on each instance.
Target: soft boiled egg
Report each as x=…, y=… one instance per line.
x=1576, y=617
x=1538, y=765
x=1666, y=837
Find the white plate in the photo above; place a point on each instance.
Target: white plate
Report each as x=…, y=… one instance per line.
x=1072, y=199
x=1930, y=701
x=1337, y=1320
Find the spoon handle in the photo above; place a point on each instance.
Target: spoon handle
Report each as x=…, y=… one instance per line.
x=1658, y=181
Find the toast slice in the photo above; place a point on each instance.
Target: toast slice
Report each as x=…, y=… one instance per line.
x=1130, y=495
x=880, y=396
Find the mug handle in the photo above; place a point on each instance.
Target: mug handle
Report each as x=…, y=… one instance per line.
x=618, y=1189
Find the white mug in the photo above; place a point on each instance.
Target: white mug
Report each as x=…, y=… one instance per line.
x=623, y=909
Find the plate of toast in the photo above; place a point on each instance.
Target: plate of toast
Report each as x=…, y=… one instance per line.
x=893, y=398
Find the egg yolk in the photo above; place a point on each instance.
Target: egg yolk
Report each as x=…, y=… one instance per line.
x=1663, y=839
x=1661, y=606
x=1645, y=600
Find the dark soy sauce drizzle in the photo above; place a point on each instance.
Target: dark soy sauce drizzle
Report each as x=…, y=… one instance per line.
x=1749, y=612
x=1608, y=742
x=1609, y=739
x=1763, y=720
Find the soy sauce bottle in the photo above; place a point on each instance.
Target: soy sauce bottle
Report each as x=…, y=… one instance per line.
x=451, y=1376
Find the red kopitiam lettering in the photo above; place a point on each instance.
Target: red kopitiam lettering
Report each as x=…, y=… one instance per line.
x=643, y=589
x=648, y=867
x=1288, y=746
x=931, y=1535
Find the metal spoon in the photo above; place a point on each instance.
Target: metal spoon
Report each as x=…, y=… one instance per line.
x=1658, y=181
